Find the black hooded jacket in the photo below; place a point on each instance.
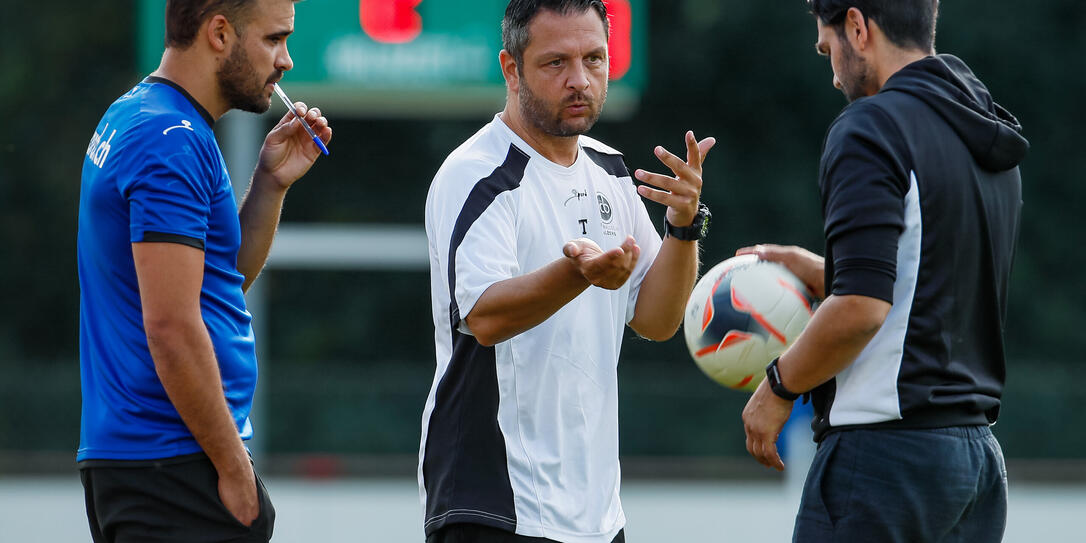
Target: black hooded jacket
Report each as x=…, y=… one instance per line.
x=921, y=195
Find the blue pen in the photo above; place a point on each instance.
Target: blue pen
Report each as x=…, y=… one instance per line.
x=290, y=106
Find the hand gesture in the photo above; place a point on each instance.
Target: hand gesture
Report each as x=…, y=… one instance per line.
x=609, y=269
x=763, y=418
x=808, y=267
x=288, y=151
x=679, y=193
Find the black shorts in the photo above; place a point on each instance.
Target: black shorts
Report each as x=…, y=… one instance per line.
x=477, y=533
x=165, y=501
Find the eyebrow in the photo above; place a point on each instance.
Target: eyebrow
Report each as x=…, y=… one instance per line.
x=556, y=54
x=280, y=34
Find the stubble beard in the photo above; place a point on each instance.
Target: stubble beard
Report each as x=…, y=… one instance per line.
x=240, y=85
x=856, y=74
x=548, y=120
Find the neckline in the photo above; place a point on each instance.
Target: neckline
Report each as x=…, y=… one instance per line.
x=533, y=153
x=199, y=108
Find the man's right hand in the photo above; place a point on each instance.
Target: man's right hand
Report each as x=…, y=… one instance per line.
x=808, y=267
x=238, y=494
x=609, y=269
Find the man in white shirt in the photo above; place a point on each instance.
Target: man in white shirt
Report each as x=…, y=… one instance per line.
x=540, y=252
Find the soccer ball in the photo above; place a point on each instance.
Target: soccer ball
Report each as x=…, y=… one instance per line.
x=741, y=315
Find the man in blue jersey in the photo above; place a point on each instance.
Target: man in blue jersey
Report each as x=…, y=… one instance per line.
x=166, y=348
x=904, y=360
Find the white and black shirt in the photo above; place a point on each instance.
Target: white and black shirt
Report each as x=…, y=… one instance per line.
x=523, y=436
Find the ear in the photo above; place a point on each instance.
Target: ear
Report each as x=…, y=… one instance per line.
x=219, y=33
x=509, y=71
x=856, y=30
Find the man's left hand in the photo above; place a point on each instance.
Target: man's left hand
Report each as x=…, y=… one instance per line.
x=763, y=418
x=288, y=151
x=679, y=193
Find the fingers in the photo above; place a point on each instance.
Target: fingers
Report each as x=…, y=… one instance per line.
x=766, y=251
x=705, y=145
x=693, y=152
x=763, y=448
x=609, y=269
x=657, y=180
x=677, y=165
x=669, y=199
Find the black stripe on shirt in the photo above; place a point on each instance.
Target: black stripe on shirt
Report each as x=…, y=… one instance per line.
x=612, y=164
x=465, y=468
x=162, y=237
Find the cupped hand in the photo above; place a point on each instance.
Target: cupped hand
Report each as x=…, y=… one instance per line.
x=604, y=269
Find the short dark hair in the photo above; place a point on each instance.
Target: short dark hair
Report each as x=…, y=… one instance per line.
x=184, y=17
x=519, y=14
x=909, y=24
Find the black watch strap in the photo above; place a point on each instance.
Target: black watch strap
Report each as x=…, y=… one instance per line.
x=695, y=231
x=773, y=375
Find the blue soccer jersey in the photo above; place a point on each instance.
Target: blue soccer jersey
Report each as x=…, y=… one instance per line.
x=154, y=173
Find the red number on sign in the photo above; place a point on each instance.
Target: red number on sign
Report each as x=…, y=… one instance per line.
x=619, y=46
x=390, y=21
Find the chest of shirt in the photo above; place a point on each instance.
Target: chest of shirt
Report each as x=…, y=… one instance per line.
x=552, y=210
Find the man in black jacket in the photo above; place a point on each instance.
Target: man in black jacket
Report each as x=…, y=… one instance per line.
x=904, y=359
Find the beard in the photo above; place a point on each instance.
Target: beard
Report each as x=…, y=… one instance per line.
x=240, y=85
x=548, y=119
x=855, y=74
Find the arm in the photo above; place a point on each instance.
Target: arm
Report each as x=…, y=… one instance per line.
x=840, y=329
x=286, y=156
x=665, y=289
x=661, y=301
x=512, y=306
x=170, y=276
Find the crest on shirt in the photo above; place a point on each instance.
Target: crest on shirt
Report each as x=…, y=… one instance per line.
x=606, y=212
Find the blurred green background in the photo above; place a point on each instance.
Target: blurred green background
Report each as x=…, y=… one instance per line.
x=350, y=354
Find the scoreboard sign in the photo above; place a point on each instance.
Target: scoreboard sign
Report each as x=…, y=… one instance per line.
x=416, y=58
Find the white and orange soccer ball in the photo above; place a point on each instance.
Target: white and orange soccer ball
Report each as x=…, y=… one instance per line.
x=741, y=315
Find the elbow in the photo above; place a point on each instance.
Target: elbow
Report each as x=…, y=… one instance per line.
x=485, y=331
x=659, y=331
x=663, y=334
x=165, y=330
x=868, y=314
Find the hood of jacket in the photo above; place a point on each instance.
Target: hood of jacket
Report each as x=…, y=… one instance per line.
x=949, y=87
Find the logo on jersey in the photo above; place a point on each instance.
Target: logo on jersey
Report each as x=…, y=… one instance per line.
x=98, y=149
x=576, y=194
x=184, y=124
x=605, y=208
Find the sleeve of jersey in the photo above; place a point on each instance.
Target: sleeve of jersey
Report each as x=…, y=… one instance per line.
x=863, y=187
x=168, y=195
x=486, y=254
x=648, y=239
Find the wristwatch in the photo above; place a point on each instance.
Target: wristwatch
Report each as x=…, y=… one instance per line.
x=695, y=231
x=773, y=376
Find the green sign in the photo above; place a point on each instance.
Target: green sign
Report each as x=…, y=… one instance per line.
x=415, y=57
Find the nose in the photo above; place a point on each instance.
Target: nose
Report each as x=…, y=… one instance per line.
x=283, y=62
x=836, y=83
x=578, y=77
